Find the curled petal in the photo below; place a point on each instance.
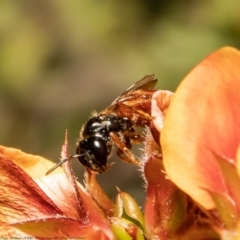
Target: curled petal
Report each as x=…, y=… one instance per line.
x=159, y=105
x=160, y=102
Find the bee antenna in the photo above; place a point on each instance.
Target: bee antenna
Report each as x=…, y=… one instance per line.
x=61, y=162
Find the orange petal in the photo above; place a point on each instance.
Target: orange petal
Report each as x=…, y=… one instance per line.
x=21, y=198
x=87, y=205
x=238, y=161
x=159, y=105
x=203, y=118
x=62, y=228
x=97, y=193
x=28, y=206
x=34, y=166
x=165, y=206
x=55, y=227
x=60, y=191
x=7, y=232
x=160, y=102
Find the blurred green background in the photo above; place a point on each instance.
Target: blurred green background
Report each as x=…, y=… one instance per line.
x=61, y=59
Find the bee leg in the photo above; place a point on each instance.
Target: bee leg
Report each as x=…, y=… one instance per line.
x=123, y=150
x=126, y=155
x=135, y=138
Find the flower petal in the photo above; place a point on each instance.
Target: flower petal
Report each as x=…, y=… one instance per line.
x=203, y=119
x=21, y=198
x=238, y=161
x=166, y=206
x=97, y=193
x=57, y=227
x=60, y=191
x=34, y=166
x=159, y=105
x=28, y=206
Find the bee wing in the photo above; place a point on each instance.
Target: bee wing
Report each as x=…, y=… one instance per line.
x=146, y=83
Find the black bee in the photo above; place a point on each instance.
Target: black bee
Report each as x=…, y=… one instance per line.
x=115, y=124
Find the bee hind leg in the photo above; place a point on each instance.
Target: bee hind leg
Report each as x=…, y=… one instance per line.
x=124, y=151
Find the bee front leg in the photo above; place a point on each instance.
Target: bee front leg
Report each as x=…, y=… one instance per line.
x=123, y=150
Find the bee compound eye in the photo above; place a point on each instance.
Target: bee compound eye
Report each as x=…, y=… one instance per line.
x=94, y=152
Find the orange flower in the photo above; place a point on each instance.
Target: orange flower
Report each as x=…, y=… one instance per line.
x=169, y=213
x=45, y=206
x=56, y=206
x=201, y=134
x=191, y=168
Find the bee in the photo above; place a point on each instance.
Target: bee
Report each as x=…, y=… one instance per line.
x=117, y=125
